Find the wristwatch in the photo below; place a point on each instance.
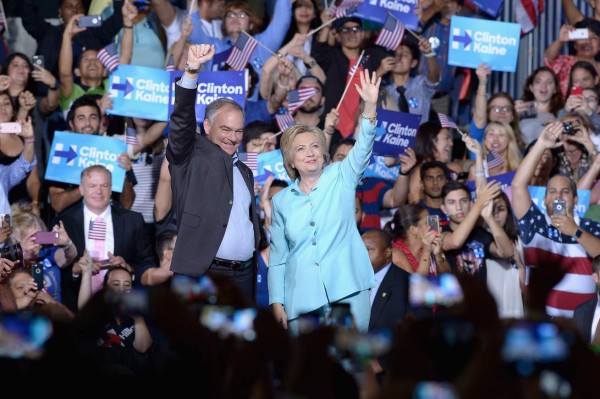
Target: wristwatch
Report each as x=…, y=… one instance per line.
x=191, y=70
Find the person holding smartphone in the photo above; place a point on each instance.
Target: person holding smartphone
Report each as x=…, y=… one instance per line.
x=549, y=238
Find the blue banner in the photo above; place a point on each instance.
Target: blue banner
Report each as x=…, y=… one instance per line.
x=377, y=10
x=505, y=179
x=272, y=162
x=538, y=193
x=396, y=131
x=71, y=153
x=474, y=41
x=213, y=85
x=140, y=92
x=490, y=7
x=378, y=169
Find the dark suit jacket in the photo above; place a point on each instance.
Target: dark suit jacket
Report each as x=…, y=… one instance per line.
x=391, y=301
x=131, y=243
x=584, y=316
x=202, y=184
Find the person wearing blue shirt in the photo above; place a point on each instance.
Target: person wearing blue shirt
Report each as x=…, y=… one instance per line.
x=317, y=255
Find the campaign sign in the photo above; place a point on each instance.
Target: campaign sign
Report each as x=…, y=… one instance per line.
x=377, y=10
x=537, y=197
x=378, y=169
x=474, y=41
x=71, y=153
x=272, y=162
x=213, y=85
x=490, y=7
x=396, y=131
x=505, y=180
x=140, y=92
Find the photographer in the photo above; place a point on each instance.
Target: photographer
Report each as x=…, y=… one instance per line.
x=578, y=151
x=562, y=238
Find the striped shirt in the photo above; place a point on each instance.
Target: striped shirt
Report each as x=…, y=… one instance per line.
x=147, y=176
x=544, y=245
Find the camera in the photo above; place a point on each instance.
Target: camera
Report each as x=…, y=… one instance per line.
x=569, y=129
x=12, y=252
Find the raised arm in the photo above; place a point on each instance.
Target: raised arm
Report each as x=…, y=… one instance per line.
x=399, y=194
x=548, y=139
x=65, y=60
x=572, y=13
x=502, y=247
x=183, y=118
x=481, y=113
x=554, y=49
x=129, y=14
x=353, y=166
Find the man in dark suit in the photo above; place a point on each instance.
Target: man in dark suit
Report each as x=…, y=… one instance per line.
x=110, y=235
x=213, y=193
x=389, y=297
x=587, y=315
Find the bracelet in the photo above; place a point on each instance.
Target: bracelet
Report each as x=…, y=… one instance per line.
x=127, y=27
x=30, y=140
x=430, y=55
x=371, y=119
x=405, y=174
x=282, y=86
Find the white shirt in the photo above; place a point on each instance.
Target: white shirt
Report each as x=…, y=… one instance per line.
x=379, y=276
x=595, y=319
x=109, y=243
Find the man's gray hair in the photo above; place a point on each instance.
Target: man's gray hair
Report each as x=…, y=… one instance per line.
x=218, y=104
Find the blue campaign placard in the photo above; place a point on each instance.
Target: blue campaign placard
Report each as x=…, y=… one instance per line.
x=537, y=197
x=505, y=180
x=377, y=10
x=213, y=85
x=490, y=7
x=378, y=169
x=140, y=92
x=272, y=162
x=71, y=153
x=396, y=131
x=474, y=41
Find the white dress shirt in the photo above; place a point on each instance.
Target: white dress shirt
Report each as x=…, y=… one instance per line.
x=379, y=276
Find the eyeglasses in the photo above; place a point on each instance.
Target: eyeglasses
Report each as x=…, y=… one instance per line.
x=352, y=29
x=504, y=109
x=232, y=14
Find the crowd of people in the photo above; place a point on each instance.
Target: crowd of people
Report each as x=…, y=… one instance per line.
x=197, y=270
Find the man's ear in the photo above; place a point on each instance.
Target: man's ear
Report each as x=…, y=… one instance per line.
x=595, y=278
x=72, y=126
x=77, y=72
x=443, y=208
x=206, y=125
x=414, y=63
x=80, y=189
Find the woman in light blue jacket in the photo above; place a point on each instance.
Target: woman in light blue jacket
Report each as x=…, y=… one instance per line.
x=317, y=255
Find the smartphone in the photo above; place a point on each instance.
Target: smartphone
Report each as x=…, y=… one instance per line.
x=10, y=127
x=579, y=34
x=38, y=60
x=559, y=207
x=226, y=321
x=104, y=263
x=90, y=21
x=530, y=346
x=341, y=316
x=576, y=91
x=433, y=221
x=23, y=335
x=5, y=220
x=194, y=289
x=434, y=290
x=46, y=237
x=37, y=272
x=434, y=390
x=530, y=111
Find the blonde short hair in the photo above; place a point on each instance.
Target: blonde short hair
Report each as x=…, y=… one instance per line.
x=286, y=146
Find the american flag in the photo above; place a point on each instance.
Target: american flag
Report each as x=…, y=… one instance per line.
x=345, y=8
x=527, y=13
x=241, y=51
x=108, y=57
x=391, y=33
x=251, y=160
x=97, y=229
x=494, y=160
x=170, y=64
x=284, y=121
x=298, y=97
x=446, y=122
x=131, y=137
x=362, y=63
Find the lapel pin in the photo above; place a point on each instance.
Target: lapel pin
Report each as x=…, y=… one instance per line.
x=383, y=294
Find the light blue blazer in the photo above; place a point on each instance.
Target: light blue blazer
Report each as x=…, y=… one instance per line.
x=317, y=255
